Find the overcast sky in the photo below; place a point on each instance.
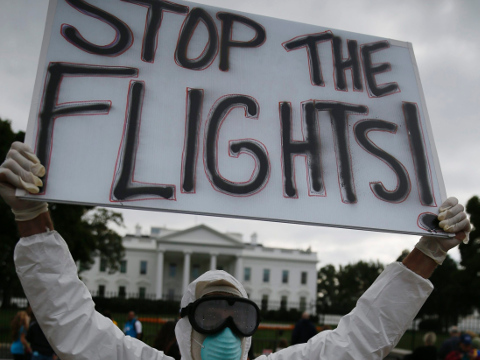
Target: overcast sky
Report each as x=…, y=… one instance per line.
x=444, y=34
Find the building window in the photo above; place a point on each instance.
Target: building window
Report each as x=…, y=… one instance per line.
x=195, y=271
x=247, y=273
x=101, y=290
x=303, y=304
x=283, y=302
x=264, y=305
x=103, y=265
x=143, y=267
x=123, y=266
x=285, y=277
x=303, y=279
x=172, y=270
x=122, y=291
x=142, y=292
x=266, y=275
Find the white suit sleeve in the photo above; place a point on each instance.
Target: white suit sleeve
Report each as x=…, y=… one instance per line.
x=374, y=327
x=64, y=308
x=138, y=327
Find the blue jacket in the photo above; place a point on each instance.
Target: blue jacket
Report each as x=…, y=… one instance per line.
x=129, y=328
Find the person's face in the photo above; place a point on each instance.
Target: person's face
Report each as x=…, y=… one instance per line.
x=130, y=315
x=198, y=339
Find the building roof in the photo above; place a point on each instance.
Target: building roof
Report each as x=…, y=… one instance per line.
x=203, y=236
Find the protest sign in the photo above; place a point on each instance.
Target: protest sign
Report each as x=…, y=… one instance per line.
x=183, y=107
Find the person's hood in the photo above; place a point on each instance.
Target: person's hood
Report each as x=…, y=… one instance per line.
x=214, y=280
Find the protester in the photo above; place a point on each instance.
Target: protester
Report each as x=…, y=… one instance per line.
x=133, y=327
x=476, y=341
x=282, y=344
x=451, y=343
x=304, y=330
x=166, y=340
x=108, y=314
x=41, y=349
x=426, y=352
x=217, y=318
x=20, y=347
x=465, y=350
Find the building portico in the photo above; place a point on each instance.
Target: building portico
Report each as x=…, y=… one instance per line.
x=163, y=263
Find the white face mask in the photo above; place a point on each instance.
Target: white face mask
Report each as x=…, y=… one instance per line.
x=224, y=345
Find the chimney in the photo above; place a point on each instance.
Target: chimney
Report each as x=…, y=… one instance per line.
x=253, y=239
x=138, y=230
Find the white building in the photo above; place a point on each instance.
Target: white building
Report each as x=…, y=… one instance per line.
x=166, y=261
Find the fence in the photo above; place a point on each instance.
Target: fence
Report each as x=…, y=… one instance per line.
x=264, y=304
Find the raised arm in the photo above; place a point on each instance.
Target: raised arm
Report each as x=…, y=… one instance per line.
x=61, y=302
x=22, y=170
x=388, y=307
x=430, y=251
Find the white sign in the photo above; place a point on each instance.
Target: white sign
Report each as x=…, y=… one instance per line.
x=182, y=107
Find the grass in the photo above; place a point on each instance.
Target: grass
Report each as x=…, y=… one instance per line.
x=263, y=338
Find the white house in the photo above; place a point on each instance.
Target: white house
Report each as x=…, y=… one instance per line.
x=163, y=263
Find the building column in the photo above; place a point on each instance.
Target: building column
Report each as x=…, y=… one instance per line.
x=213, y=261
x=186, y=270
x=159, y=285
x=239, y=268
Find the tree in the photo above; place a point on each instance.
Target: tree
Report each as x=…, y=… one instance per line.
x=338, y=291
x=327, y=290
x=84, y=228
x=446, y=302
x=470, y=257
x=403, y=255
x=354, y=280
x=86, y=231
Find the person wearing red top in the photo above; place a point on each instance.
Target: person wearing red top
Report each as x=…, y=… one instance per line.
x=466, y=350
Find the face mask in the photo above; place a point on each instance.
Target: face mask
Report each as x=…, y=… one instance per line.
x=224, y=345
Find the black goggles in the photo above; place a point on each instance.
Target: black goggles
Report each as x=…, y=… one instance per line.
x=209, y=315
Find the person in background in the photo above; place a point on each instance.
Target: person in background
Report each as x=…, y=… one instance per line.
x=41, y=349
x=133, y=327
x=282, y=344
x=108, y=314
x=166, y=340
x=20, y=347
x=304, y=330
x=476, y=341
x=450, y=344
x=426, y=352
x=466, y=350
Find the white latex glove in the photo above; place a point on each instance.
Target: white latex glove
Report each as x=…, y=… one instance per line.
x=453, y=219
x=21, y=169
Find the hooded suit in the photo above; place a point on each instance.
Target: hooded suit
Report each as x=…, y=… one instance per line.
x=66, y=312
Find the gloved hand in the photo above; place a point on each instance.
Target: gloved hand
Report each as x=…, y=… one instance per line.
x=22, y=169
x=453, y=219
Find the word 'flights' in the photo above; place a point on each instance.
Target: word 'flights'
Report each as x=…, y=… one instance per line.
x=359, y=61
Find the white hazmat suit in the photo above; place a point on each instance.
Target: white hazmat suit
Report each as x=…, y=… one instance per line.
x=64, y=308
